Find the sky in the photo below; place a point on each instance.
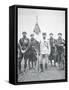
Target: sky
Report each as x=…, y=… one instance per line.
x=48, y=20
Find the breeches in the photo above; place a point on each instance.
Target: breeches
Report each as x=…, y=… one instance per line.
x=43, y=59
x=25, y=55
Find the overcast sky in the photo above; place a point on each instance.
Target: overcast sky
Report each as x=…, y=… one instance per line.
x=48, y=20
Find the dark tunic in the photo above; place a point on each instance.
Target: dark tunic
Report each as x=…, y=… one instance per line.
x=52, y=42
x=34, y=47
x=24, y=43
x=60, y=49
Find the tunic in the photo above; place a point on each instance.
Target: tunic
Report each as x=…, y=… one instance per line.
x=52, y=46
x=44, y=47
x=24, y=45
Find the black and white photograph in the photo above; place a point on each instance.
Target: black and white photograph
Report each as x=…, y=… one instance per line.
x=41, y=45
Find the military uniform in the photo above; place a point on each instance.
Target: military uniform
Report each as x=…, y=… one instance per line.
x=52, y=47
x=19, y=59
x=24, y=45
x=33, y=51
x=60, y=49
x=44, y=52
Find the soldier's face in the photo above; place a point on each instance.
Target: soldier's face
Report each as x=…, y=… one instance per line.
x=44, y=36
x=51, y=35
x=24, y=35
x=59, y=35
x=32, y=36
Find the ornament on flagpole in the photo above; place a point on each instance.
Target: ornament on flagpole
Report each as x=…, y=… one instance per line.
x=37, y=28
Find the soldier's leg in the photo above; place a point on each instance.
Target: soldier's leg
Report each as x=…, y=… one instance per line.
x=25, y=63
x=46, y=61
x=26, y=58
x=19, y=66
x=20, y=60
x=59, y=60
x=29, y=64
x=54, y=60
x=62, y=64
x=41, y=64
x=38, y=63
x=35, y=61
x=51, y=55
x=51, y=59
x=41, y=67
x=32, y=62
x=63, y=60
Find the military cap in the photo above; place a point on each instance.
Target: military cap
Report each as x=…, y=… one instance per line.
x=24, y=32
x=51, y=34
x=32, y=35
x=43, y=33
x=59, y=33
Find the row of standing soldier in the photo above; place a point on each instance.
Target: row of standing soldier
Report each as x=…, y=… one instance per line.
x=31, y=49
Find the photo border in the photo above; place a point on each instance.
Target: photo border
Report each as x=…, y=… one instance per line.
x=16, y=43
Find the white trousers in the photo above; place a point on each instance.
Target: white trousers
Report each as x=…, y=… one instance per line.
x=43, y=59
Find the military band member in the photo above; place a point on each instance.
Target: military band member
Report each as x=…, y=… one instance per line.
x=44, y=52
x=24, y=46
x=60, y=48
x=52, y=47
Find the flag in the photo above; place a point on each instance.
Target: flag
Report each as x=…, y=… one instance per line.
x=37, y=29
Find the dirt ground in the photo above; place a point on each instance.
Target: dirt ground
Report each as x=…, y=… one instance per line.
x=52, y=73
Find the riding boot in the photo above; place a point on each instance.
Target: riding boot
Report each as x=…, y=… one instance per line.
x=29, y=65
x=32, y=65
x=45, y=65
x=25, y=67
x=41, y=67
x=51, y=63
x=19, y=67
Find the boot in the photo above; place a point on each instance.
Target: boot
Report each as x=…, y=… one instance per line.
x=24, y=67
x=41, y=67
x=46, y=66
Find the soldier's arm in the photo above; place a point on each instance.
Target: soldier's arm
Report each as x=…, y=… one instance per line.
x=49, y=49
x=20, y=44
x=28, y=45
x=63, y=42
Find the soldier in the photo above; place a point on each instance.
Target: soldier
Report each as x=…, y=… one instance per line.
x=60, y=48
x=24, y=46
x=19, y=59
x=44, y=52
x=33, y=51
x=52, y=47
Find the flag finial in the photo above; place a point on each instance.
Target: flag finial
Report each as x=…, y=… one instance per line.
x=37, y=28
